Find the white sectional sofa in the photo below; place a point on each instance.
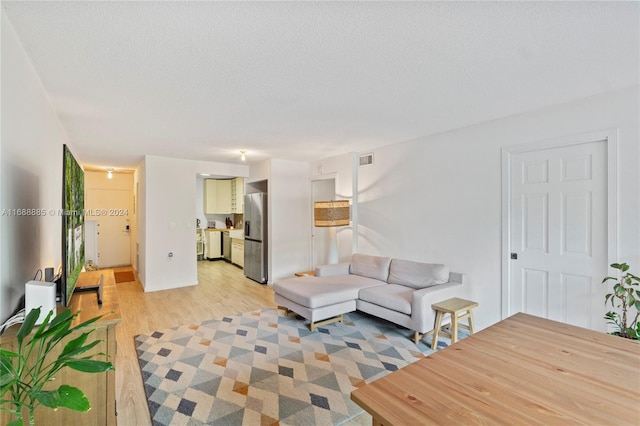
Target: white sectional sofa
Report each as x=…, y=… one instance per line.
x=400, y=291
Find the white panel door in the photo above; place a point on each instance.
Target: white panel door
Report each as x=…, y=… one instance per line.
x=559, y=233
x=111, y=209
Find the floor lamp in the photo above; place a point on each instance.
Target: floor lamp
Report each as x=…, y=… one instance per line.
x=331, y=214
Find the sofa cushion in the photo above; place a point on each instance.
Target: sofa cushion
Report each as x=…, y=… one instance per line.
x=375, y=267
x=391, y=296
x=315, y=292
x=416, y=274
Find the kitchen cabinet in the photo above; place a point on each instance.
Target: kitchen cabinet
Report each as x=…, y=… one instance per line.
x=226, y=246
x=217, y=196
x=237, y=252
x=214, y=244
x=223, y=196
x=237, y=195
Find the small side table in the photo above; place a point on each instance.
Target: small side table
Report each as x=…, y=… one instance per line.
x=305, y=274
x=459, y=309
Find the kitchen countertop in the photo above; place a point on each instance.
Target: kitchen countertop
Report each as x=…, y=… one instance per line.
x=236, y=233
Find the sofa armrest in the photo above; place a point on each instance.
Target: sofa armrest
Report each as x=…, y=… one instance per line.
x=333, y=269
x=456, y=277
x=422, y=315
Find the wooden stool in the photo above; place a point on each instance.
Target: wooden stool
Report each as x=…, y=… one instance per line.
x=453, y=307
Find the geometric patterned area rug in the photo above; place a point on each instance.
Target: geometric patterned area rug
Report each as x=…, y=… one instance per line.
x=265, y=368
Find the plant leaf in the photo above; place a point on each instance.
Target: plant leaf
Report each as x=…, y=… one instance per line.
x=635, y=277
x=65, y=396
x=89, y=365
x=5, y=352
x=7, y=381
x=74, y=344
x=44, y=324
x=60, y=318
x=58, y=331
x=7, y=369
x=80, y=350
x=27, y=325
x=73, y=399
x=49, y=399
x=87, y=323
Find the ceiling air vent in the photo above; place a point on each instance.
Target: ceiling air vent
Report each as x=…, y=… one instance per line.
x=366, y=159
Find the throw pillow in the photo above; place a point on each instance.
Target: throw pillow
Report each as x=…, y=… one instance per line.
x=417, y=274
x=375, y=267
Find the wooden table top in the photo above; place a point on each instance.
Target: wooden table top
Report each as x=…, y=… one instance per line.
x=522, y=370
x=87, y=303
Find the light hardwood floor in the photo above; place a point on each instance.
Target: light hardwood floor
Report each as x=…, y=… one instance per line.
x=222, y=290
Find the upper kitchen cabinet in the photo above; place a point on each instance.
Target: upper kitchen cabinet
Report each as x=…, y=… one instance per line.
x=237, y=195
x=223, y=196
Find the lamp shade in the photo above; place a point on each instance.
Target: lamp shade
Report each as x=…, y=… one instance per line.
x=331, y=213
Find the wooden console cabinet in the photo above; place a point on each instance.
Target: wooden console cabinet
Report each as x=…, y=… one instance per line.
x=98, y=387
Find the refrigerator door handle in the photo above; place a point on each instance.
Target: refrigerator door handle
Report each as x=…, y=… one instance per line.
x=247, y=228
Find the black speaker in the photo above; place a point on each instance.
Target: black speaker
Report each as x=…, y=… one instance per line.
x=48, y=275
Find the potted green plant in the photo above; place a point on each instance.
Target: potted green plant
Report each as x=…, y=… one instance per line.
x=625, y=296
x=24, y=374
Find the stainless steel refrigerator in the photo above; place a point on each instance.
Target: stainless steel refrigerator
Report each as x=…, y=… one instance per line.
x=255, y=237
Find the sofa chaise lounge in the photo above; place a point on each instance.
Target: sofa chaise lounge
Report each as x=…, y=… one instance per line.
x=400, y=291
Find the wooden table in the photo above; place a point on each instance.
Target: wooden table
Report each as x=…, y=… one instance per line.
x=522, y=370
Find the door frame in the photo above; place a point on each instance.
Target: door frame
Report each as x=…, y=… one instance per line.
x=608, y=136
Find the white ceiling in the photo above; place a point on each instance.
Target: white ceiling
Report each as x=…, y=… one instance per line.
x=309, y=80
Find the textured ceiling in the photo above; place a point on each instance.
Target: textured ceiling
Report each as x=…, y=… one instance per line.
x=308, y=80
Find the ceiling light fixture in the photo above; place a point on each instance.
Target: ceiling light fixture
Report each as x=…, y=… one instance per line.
x=109, y=173
x=242, y=155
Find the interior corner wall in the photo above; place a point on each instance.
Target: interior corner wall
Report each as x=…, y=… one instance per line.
x=342, y=168
x=289, y=215
x=168, y=219
x=439, y=198
x=170, y=251
x=31, y=142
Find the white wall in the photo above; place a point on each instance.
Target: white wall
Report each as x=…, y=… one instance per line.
x=168, y=192
x=438, y=198
x=199, y=208
x=289, y=218
x=141, y=199
x=31, y=145
x=288, y=215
